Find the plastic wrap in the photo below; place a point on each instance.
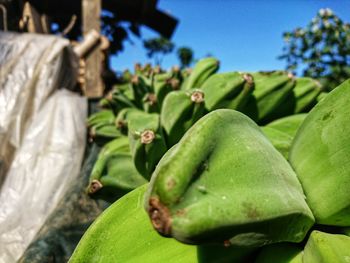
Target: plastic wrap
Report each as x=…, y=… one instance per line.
x=31, y=67
x=57, y=239
x=44, y=166
x=42, y=132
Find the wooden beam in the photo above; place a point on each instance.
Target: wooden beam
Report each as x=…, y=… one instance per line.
x=93, y=85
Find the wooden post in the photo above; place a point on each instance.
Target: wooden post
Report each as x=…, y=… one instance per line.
x=31, y=19
x=93, y=86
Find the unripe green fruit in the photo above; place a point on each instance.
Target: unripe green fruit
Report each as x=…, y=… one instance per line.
x=224, y=182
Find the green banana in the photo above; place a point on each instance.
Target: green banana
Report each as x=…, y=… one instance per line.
x=119, y=176
x=203, y=69
x=103, y=133
x=346, y=231
x=239, y=103
x=104, y=103
x=161, y=86
x=320, y=157
x=282, y=131
x=223, y=90
x=117, y=100
x=164, y=84
x=321, y=96
x=280, y=253
x=121, y=100
x=114, y=173
x=138, y=68
x=150, y=103
x=280, y=140
x=122, y=118
x=140, y=87
x=327, y=248
x=267, y=82
x=117, y=145
x=146, y=70
x=146, y=141
x=306, y=92
x=162, y=77
x=181, y=109
x=123, y=233
x=185, y=74
x=224, y=182
x=103, y=116
x=127, y=75
x=126, y=90
x=271, y=91
x=289, y=124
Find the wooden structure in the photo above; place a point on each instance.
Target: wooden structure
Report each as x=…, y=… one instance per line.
x=93, y=85
x=79, y=17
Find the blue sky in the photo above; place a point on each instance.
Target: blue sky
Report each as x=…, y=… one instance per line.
x=244, y=35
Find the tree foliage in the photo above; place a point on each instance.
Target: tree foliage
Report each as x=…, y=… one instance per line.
x=185, y=56
x=321, y=49
x=118, y=31
x=158, y=47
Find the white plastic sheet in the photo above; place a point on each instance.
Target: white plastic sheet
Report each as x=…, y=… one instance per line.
x=43, y=167
x=42, y=131
x=32, y=67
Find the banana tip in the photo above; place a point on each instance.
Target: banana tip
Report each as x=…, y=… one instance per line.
x=135, y=79
x=160, y=216
x=174, y=83
x=147, y=137
x=151, y=99
x=94, y=186
x=197, y=96
x=120, y=124
x=109, y=96
x=248, y=78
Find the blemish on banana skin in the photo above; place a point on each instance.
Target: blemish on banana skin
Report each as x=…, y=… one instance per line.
x=250, y=210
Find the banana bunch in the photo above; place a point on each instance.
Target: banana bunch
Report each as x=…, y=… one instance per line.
x=181, y=97
x=119, y=171
x=184, y=200
x=235, y=191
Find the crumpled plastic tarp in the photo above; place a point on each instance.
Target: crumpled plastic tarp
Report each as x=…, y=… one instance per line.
x=57, y=239
x=42, y=130
x=32, y=66
x=43, y=168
